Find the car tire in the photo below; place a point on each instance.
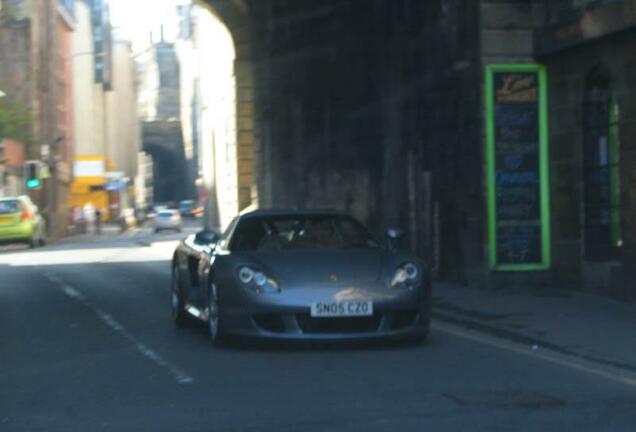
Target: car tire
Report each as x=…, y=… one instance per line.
x=177, y=304
x=215, y=325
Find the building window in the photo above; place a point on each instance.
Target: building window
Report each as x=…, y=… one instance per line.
x=601, y=176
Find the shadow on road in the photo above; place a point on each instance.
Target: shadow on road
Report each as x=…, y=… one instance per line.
x=256, y=345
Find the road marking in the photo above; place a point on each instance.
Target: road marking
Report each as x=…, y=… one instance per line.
x=180, y=376
x=545, y=354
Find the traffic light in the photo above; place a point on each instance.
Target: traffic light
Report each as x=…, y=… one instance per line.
x=32, y=175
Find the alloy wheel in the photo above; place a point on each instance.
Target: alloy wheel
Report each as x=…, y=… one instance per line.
x=176, y=302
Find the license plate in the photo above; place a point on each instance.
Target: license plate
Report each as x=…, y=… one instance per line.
x=4, y=220
x=341, y=309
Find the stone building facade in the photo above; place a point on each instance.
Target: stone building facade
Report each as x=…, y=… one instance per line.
x=379, y=107
x=209, y=106
x=159, y=110
x=589, y=49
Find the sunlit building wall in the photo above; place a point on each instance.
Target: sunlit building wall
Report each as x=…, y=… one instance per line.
x=87, y=94
x=124, y=139
x=148, y=77
x=190, y=99
x=214, y=61
x=90, y=154
x=106, y=126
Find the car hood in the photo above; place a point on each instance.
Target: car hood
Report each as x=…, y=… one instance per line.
x=301, y=267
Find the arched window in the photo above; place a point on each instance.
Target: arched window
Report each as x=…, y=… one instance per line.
x=601, y=180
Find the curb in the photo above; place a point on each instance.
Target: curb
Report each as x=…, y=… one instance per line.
x=520, y=338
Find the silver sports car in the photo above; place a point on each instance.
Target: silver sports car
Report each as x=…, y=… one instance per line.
x=289, y=274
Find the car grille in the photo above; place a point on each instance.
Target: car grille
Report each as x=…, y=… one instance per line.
x=403, y=319
x=338, y=325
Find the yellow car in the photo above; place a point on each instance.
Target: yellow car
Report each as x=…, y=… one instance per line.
x=20, y=221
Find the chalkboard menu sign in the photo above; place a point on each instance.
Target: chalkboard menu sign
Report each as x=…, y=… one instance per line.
x=517, y=167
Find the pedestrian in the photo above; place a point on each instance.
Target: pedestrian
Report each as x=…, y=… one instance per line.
x=98, y=221
x=89, y=214
x=82, y=221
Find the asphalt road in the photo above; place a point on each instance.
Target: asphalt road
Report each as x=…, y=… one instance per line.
x=87, y=344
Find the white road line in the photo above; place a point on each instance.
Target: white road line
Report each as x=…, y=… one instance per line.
x=180, y=376
x=545, y=355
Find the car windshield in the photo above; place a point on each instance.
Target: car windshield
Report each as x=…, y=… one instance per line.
x=9, y=206
x=166, y=214
x=301, y=232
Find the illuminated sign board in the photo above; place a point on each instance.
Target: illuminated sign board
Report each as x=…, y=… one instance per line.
x=517, y=167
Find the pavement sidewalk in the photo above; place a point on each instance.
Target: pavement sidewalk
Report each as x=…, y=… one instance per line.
x=586, y=326
x=109, y=231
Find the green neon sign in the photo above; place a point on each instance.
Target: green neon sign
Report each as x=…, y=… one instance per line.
x=517, y=168
x=615, y=178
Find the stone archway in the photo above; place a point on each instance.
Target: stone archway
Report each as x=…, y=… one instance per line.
x=236, y=157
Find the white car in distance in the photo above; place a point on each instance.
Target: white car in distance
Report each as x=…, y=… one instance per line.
x=168, y=220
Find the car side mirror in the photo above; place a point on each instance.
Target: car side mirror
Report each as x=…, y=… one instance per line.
x=206, y=238
x=394, y=235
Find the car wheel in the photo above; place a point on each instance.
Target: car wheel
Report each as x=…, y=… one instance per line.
x=215, y=328
x=179, y=315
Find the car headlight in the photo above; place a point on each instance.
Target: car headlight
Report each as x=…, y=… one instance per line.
x=406, y=274
x=246, y=275
x=258, y=281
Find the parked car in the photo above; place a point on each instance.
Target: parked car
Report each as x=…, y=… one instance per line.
x=168, y=220
x=292, y=274
x=20, y=221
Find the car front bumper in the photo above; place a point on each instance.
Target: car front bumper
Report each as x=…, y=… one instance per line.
x=397, y=313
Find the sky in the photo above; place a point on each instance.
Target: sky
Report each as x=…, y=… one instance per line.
x=136, y=19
